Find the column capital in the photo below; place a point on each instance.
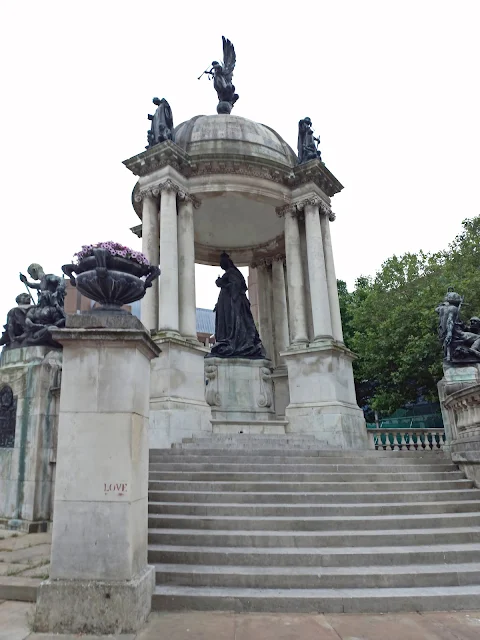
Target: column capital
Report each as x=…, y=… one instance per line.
x=286, y=209
x=268, y=261
x=183, y=196
x=296, y=207
x=168, y=185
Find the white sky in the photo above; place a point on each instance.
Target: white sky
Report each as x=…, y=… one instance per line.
x=392, y=88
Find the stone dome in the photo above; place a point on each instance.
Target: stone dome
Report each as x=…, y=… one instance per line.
x=235, y=138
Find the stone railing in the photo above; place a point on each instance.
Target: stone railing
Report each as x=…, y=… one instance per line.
x=395, y=439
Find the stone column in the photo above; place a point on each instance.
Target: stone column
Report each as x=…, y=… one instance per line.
x=186, y=268
x=322, y=324
x=100, y=582
x=168, y=319
x=280, y=311
x=296, y=289
x=265, y=324
x=331, y=277
x=150, y=249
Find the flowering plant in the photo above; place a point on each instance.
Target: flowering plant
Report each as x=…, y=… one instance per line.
x=114, y=248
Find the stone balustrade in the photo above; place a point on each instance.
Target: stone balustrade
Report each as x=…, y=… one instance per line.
x=412, y=439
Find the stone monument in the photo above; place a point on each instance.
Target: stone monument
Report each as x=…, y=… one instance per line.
x=30, y=376
x=230, y=184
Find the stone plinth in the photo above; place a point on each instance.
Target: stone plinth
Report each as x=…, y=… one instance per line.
x=27, y=467
x=177, y=404
x=322, y=396
x=459, y=393
x=240, y=393
x=454, y=379
x=99, y=578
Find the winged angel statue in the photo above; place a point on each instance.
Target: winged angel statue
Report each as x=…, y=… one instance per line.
x=222, y=78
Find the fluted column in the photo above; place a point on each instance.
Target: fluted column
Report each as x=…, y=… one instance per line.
x=296, y=289
x=150, y=249
x=317, y=275
x=280, y=311
x=168, y=298
x=331, y=277
x=186, y=268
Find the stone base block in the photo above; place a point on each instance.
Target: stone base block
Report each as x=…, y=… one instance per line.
x=171, y=421
x=335, y=426
x=177, y=401
x=239, y=389
x=95, y=607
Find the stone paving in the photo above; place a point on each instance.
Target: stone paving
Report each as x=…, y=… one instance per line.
x=24, y=563
x=15, y=619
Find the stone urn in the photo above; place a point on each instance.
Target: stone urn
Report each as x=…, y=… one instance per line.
x=111, y=280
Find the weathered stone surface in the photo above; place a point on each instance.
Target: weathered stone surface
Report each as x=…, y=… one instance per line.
x=26, y=473
x=94, y=606
x=98, y=319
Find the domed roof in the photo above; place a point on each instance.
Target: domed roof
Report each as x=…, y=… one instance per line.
x=233, y=137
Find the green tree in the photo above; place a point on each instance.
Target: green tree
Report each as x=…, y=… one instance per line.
x=391, y=324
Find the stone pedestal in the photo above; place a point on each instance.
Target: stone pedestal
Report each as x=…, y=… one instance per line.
x=28, y=436
x=459, y=393
x=177, y=404
x=99, y=578
x=322, y=396
x=240, y=393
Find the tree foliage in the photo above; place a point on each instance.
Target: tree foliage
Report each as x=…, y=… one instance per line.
x=390, y=321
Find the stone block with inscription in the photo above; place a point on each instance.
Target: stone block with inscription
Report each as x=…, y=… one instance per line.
x=99, y=578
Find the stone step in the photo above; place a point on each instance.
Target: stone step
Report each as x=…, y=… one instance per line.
x=291, y=476
x=313, y=510
x=167, y=597
x=228, y=438
x=315, y=578
x=371, y=556
x=317, y=497
x=384, y=467
x=20, y=588
x=304, y=487
x=336, y=454
x=314, y=523
x=313, y=539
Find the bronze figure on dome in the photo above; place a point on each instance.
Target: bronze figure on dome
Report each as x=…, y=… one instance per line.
x=222, y=75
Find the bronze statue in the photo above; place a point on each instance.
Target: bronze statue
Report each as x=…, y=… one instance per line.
x=161, y=128
x=31, y=324
x=45, y=282
x=236, y=335
x=222, y=78
x=460, y=343
x=307, y=143
x=42, y=318
x=15, y=328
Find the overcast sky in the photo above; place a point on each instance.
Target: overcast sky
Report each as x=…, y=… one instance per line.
x=392, y=89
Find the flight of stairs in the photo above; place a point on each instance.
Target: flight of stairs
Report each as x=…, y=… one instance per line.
x=272, y=523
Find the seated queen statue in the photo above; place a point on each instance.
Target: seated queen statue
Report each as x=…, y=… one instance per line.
x=236, y=335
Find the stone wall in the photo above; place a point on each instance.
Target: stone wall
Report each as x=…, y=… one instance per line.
x=27, y=469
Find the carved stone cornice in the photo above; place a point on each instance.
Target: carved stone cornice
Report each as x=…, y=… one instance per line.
x=317, y=173
x=161, y=155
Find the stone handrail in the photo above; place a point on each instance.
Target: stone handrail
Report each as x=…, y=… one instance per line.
x=394, y=439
